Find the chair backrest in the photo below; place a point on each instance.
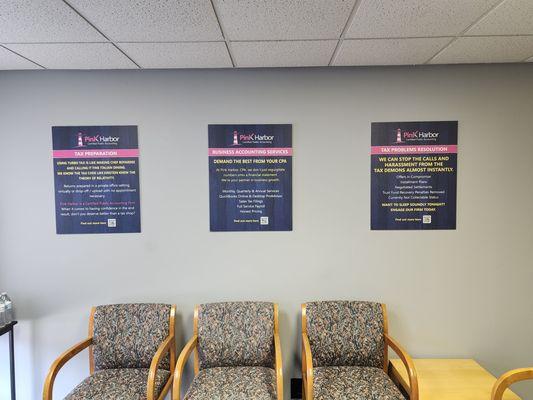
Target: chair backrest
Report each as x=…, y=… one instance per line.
x=236, y=334
x=346, y=333
x=507, y=379
x=128, y=335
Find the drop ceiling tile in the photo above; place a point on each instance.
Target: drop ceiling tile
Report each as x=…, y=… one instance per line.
x=74, y=55
x=482, y=49
x=415, y=18
x=309, y=53
x=283, y=19
x=512, y=17
x=43, y=21
x=9, y=60
x=389, y=51
x=178, y=55
x=152, y=21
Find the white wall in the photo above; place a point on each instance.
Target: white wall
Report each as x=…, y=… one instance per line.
x=462, y=293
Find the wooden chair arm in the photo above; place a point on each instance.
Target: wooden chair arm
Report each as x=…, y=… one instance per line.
x=279, y=366
x=156, y=360
x=507, y=379
x=58, y=364
x=307, y=367
x=409, y=366
x=182, y=360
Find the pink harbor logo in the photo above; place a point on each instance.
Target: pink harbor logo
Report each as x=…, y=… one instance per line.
x=235, y=138
x=95, y=140
x=80, y=140
x=250, y=138
x=401, y=137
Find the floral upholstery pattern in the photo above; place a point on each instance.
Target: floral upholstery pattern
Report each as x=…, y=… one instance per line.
x=236, y=334
x=353, y=383
x=346, y=333
x=113, y=384
x=128, y=335
x=233, y=383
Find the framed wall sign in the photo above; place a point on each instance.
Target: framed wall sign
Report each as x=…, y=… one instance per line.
x=96, y=174
x=413, y=175
x=250, y=177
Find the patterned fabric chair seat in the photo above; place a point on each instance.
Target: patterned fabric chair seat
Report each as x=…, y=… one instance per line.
x=345, y=343
x=353, y=383
x=233, y=383
x=114, y=384
x=238, y=353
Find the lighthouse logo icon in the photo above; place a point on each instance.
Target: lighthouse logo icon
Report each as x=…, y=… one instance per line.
x=80, y=140
x=399, y=136
x=235, y=138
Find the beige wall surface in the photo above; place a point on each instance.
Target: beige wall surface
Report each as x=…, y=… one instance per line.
x=461, y=293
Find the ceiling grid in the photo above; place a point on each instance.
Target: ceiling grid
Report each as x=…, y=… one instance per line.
x=464, y=31
x=346, y=27
x=224, y=35
x=98, y=34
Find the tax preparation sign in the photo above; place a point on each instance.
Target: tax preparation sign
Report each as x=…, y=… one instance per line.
x=413, y=175
x=96, y=175
x=250, y=177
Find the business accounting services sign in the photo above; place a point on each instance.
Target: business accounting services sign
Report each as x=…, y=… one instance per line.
x=413, y=175
x=250, y=177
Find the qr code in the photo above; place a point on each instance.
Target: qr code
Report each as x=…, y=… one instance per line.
x=263, y=221
x=112, y=223
x=426, y=219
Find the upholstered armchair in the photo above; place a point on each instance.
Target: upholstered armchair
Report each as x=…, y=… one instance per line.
x=507, y=379
x=237, y=353
x=132, y=354
x=345, y=353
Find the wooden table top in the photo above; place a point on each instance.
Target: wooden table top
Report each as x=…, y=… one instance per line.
x=450, y=379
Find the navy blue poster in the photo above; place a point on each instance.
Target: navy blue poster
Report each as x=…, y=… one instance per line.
x=250, y=177
x=96, y=174
x=413, y=175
